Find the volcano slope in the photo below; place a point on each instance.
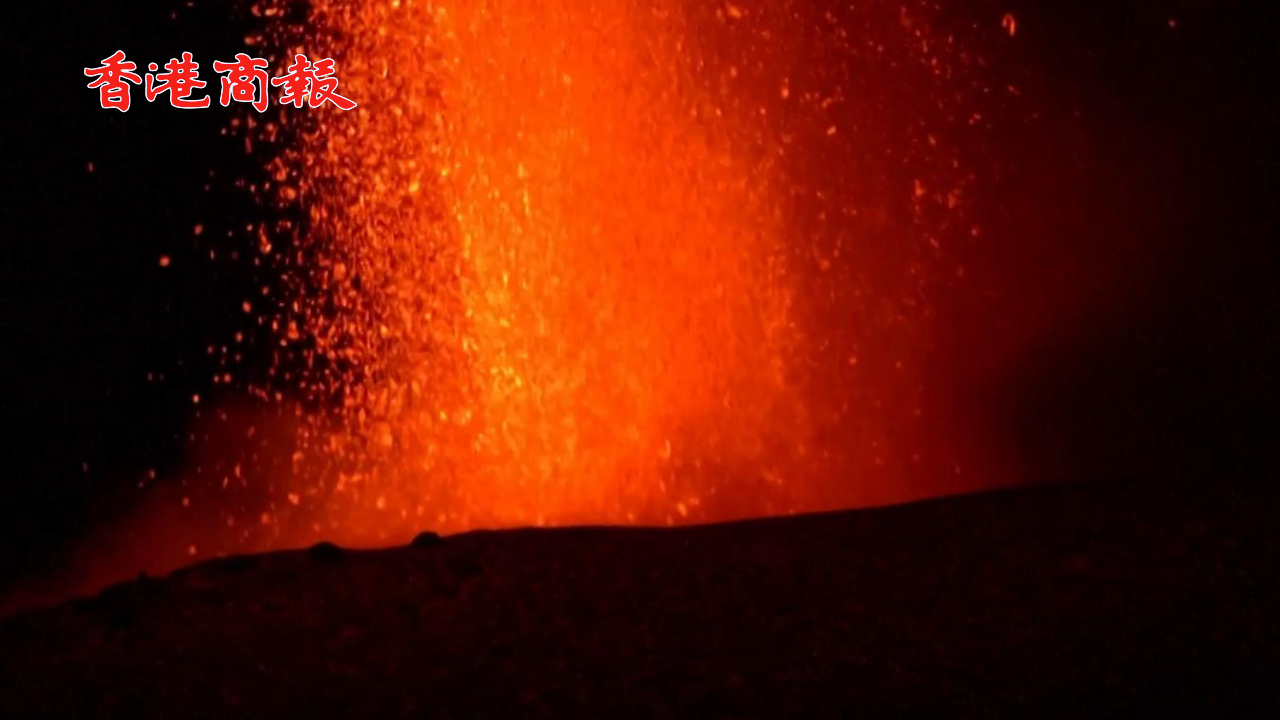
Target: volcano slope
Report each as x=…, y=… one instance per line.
x=1050, y=601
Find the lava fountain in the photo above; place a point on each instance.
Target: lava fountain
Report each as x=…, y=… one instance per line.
x=622, y=262
x=544, y=281
x=629, y=261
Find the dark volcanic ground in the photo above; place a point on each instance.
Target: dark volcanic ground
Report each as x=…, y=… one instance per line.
x=1045, y=602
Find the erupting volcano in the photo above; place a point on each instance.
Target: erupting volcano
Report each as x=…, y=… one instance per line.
x=385, y=407
x=573, y=263
x=547, y=284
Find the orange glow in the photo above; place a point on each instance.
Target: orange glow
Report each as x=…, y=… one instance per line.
x=1010, y=24
x=599, y=263
x=547, y=289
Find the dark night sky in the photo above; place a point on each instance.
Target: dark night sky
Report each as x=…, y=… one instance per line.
x=88, y=313
x=1179, y=385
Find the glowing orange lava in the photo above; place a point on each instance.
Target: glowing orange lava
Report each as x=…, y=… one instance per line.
x=548, y=288
x=613, y=262
x=608, y=261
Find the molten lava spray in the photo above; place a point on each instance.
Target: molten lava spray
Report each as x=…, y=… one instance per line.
x=606, y=262
x=629, y=261
x=547, y=283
